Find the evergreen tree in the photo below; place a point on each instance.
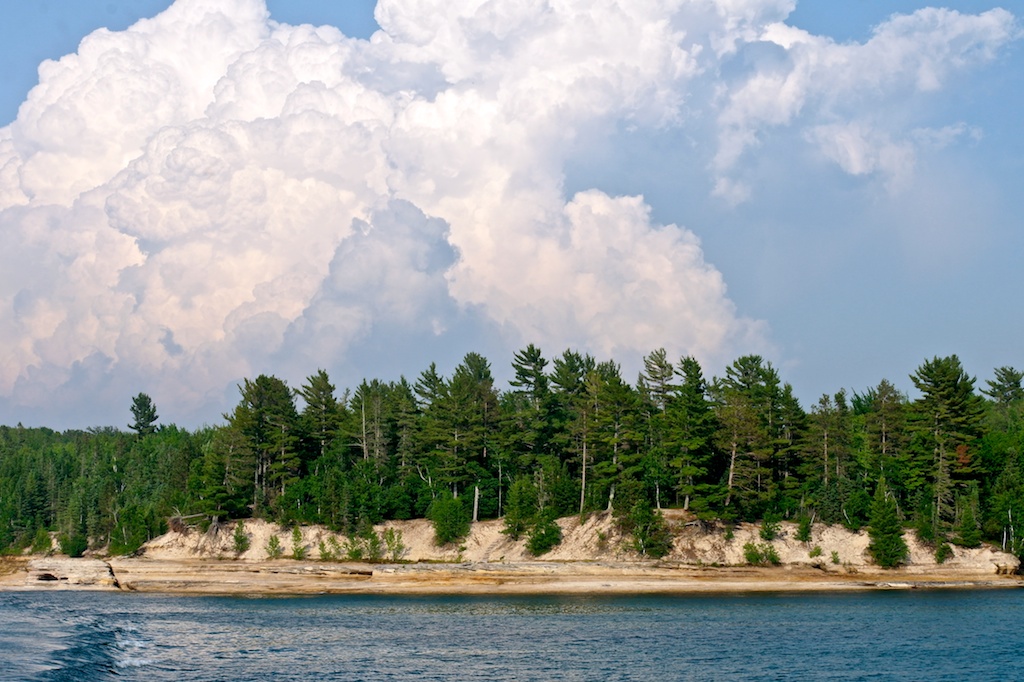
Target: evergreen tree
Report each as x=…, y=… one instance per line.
x=144, y=415
x=948, y=419
x=887, y=546
x=690, y=433
x=1005, y=388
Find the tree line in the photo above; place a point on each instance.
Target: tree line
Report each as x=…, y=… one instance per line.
x=567, y=436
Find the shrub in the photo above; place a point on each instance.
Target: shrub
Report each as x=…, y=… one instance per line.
x=835, y=557
x=521, y=509
x=651, y=536
x=373, y=547
x=451, y=522
x=769, y=527
x=241, y=538
x=803, y=531
x=274, y=548
x=544, y=535
x=393, y=541
x=73, y=545
x=815, y=552
x=943, y=552
x=968, y=532
x=298, y=549
x=761, y=554
x=41, y=542
x=353, y=549
x=325, y=552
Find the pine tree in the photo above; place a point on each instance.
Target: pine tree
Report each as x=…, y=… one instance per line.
x=887, y=545
x=144, y=414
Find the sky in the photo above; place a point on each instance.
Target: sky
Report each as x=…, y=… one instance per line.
x=199, y=191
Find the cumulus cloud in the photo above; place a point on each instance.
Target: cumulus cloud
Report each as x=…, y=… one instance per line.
x=211, y=194
x=849, y=89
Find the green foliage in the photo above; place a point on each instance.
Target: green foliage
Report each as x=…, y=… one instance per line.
x=544, y=534
x=887, y=546
x=74, y=545
x=395, y=544
x=41, y=542
x=144, y=415
x=354, y=550
x=240, y=538
x=968, y=530
x=651, y=535
x=450, y=519
x=804, y=527
x=135, y=525
x=761, y=554
x=274, y=548
x=373, y=547
x=325, y=552
x=572, y=436
x=815, y=552
x=770, y=527
x=299, y=548
x=943, y=552
x=521, y=509
x=835, y=557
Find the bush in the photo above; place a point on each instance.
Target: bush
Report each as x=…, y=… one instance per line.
x=73, y=545
x=815, y=552
x=41, y=542
x=353, y=548
x=521, y=509
x=651, y=536
x=803, y=531
x=274, y=548
x=968, y=532
x=325, y=552
x=393, y=541
x=373, y=548
x=241, y=538
x=544, y=535
x=298, y=549
x=835, y=557
x=761, y=554
x=451, y=522
x=770, y=527
x=943, y=552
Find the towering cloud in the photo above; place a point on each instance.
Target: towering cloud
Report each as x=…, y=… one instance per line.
x=211, y=194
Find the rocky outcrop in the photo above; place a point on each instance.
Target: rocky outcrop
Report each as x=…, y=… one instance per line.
x=57, y=572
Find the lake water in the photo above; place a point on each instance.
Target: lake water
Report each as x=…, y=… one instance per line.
x=906, y=635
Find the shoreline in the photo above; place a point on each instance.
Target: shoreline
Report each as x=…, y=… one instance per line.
x=210, y=577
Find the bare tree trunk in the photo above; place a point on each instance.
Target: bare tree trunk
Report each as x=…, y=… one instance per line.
x=476, y=503
x=583, y=482
x=732, y=471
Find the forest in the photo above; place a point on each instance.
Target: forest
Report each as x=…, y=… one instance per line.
x=569, y=436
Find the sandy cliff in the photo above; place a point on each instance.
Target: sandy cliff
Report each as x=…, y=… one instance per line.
x=592, y=557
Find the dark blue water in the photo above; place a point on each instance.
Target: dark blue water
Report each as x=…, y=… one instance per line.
x=872, y=636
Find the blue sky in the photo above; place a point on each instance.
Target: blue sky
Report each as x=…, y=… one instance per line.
x=207, y=196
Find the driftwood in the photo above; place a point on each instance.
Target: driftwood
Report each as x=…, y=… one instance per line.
x=177, y=523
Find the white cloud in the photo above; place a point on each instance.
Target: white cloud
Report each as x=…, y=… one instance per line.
x=849, y=88
x=211, y=194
